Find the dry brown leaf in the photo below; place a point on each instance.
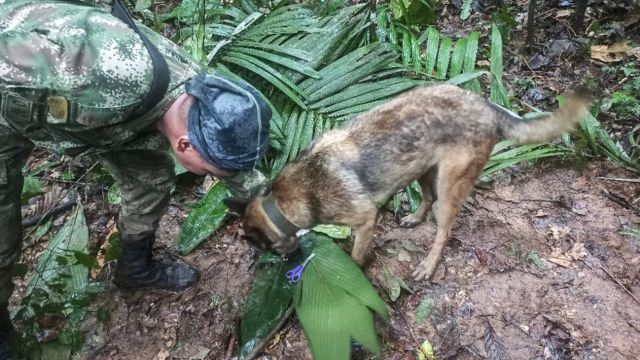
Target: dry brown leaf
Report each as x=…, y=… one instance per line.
x=403, y=255
x=493, y=345
x=558, y=232
x=162, y=355
x=559, y=258
x=111, y=225
x=564, y=13
x=541, y=213
x=632, y=18
x=577, y=251
x=610, y=54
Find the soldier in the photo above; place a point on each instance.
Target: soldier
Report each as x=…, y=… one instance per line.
x=77, y=80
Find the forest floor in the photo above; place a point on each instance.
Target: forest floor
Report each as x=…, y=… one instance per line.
x=536, y=261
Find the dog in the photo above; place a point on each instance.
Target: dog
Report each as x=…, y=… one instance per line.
x=441, y=136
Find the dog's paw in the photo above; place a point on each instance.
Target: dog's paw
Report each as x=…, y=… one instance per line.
x=410, y=221
x=425, y=270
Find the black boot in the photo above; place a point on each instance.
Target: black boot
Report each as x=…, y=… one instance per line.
x=136, y=268
x=6, y=334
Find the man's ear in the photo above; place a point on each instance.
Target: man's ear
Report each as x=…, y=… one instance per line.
x=237, y=205
x=183, y=143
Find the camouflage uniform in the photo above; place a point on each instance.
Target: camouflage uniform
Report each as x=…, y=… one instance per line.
x=70, y=76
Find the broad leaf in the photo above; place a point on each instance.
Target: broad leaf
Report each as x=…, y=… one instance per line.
x=334, y=303
x=205, y=218
x=31, y=188
x=72, y=238
x=334, y=231
x=267, y=303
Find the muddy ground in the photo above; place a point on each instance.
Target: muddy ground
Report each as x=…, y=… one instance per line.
x=564, y=307
x=536, y=266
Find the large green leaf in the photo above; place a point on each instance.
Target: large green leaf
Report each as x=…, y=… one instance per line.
x=30, y=188
x=334, y=303
x=72, y=238
x=205, y=218
x=470, y=60
x=498, y=95
x=267, y=304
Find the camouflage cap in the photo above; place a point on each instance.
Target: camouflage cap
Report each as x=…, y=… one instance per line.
x=228, y=122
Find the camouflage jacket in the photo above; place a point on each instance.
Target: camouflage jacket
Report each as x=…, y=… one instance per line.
x=71, y=74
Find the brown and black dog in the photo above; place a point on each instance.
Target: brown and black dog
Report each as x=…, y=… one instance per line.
x=441, y=136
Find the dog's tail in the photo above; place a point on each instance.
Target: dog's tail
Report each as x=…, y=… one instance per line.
x=546, y=127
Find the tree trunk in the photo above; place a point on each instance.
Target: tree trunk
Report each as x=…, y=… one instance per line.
x=578, y=16
x=531, y=22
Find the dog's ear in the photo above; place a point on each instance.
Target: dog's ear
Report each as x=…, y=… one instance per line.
x=237, y=205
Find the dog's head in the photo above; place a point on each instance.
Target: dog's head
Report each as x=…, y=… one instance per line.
x=260, y=230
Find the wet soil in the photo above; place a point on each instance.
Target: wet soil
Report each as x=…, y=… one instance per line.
x=536, y=267
x=536, y=257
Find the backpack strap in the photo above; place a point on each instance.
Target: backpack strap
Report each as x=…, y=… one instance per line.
x=160, y=81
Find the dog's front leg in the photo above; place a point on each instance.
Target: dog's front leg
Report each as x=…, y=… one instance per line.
x=364, y=235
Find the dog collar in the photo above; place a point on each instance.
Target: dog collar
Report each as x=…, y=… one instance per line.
x=277, y=217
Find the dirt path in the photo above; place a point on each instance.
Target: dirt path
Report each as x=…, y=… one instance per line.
x=565, y=307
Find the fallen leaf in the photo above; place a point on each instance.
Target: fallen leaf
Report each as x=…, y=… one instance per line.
x=564, y=13
x=403, y=255
x=483, y=63
x=410, y=246
x=542, y=213
x=558, y=258
x=632, y=18
x=610, y=54
x=393, y=284
x=111, y=225
x=162, y=355
x=423, y=310
x=577, y=251
x=425, y=352
x=447, y=329
x=558, y=232
x=493, y=346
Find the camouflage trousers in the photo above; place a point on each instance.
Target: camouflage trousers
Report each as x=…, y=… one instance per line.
x=145, y=177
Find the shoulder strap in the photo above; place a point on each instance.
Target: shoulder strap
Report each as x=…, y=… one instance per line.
x=160, y=82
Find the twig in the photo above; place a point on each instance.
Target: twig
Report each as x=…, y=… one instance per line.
x=267, y=338
x=232, y=342
x=60, y=197
x=45, y=178
x=637, y=181
x=404, y=320
x=619, y=283
x=619, y=200
x=612, y=277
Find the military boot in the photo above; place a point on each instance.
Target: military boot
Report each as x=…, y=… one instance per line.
x=6, y=334
x=136, y=268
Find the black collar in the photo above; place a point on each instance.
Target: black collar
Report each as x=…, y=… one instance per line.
x=277, y=217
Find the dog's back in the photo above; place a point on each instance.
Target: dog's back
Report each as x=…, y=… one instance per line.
x=394, y=143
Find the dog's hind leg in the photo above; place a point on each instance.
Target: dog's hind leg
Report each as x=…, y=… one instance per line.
x=428, y=185
x=457, y=175
x=364, y=235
